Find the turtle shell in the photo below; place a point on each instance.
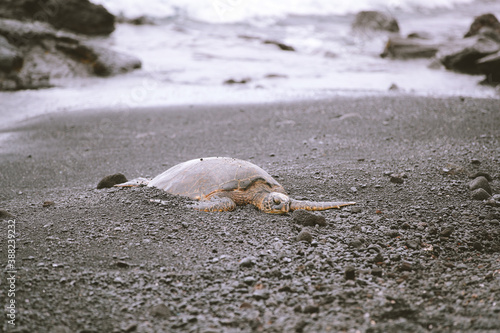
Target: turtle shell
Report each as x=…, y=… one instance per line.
x=201, y=178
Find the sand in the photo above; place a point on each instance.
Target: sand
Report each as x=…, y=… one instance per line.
x=416, y=253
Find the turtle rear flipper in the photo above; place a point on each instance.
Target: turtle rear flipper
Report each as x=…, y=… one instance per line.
x=134, y=182
x=321, y=205
x=215, y=205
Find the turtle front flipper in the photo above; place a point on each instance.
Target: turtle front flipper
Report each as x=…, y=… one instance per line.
x=215, y=205
x=312, y=205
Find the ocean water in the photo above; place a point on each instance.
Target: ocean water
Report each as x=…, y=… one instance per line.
x=194, y=46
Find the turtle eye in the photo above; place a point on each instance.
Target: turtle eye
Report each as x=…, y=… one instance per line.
x=277, y=201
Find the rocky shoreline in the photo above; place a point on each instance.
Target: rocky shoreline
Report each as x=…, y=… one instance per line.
x=43, y=41
x=477, y=53
x=418, y=253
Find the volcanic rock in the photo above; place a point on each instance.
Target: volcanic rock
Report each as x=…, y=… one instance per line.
x=480, y=194
x=79, y=16
x=111, y=180
x=480, y=182
x=411, y=48
x=306, y=218
x=375, y=21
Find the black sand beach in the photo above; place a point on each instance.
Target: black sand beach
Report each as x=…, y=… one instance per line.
x=416, y=254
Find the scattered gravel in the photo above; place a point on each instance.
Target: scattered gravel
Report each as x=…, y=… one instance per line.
x=421, y=256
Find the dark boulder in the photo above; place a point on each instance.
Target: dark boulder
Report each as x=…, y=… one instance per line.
x=486, y=24
x=490, y=66
x=80, y=16
x=463, y=56
x=375, y=21
x=51, y=54
x=408, y=48
x=102, y=61
x=10, y=58
x=479, y=52
x=282, y=46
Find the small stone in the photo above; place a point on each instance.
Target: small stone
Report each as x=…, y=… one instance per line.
x=247, y=262
x=111, y=180
x=413, y=244
x=356, y=210
x=480, y=182
x=475, y=161
x=378, y=258
x=393, y=234
x=5, y=214
x=480, y=194
x=304, y=235
x=481, y=174
x=249, y=280
x=297, y=308
x=477, y=246
x=406, y=266
x=245, y=305
x=118, y=280
x=160, y=311
x=377, y=271
x=131, y=327
x=356, y=243
x=446, y=232
x=305, y=218
x=397, y=179
x=350, y=273
x=122, y=264
x=453, y=169
x=494, y=222
x=48, y=203
x=260, y=294
x=311, y=309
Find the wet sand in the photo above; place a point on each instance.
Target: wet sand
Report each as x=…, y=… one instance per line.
x=111, y=260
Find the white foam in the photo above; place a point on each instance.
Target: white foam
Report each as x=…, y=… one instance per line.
x=226, y=11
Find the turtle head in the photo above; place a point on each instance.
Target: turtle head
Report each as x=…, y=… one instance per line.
x=275, y=203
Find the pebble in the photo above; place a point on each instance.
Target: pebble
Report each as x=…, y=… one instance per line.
x=356, y=210
x=413, y=244
x=122, y=264
x=311, y=309
x=350, y=273
x=111, y=180
x=356, y=243
x=378, y=258
x=306, y=218
x=5, y=214
x=247, y=262
x=304, y=235
x=397, y=179
x=447, y=231
x=480, y=194
x=406, y=266
x=249, y=280
x=118, y=280
x=160, y=311
x=480, y=183
x=481, y=174
x=260, y=294
x=377, y=271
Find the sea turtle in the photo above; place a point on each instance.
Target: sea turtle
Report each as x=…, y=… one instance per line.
x=222, y=183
